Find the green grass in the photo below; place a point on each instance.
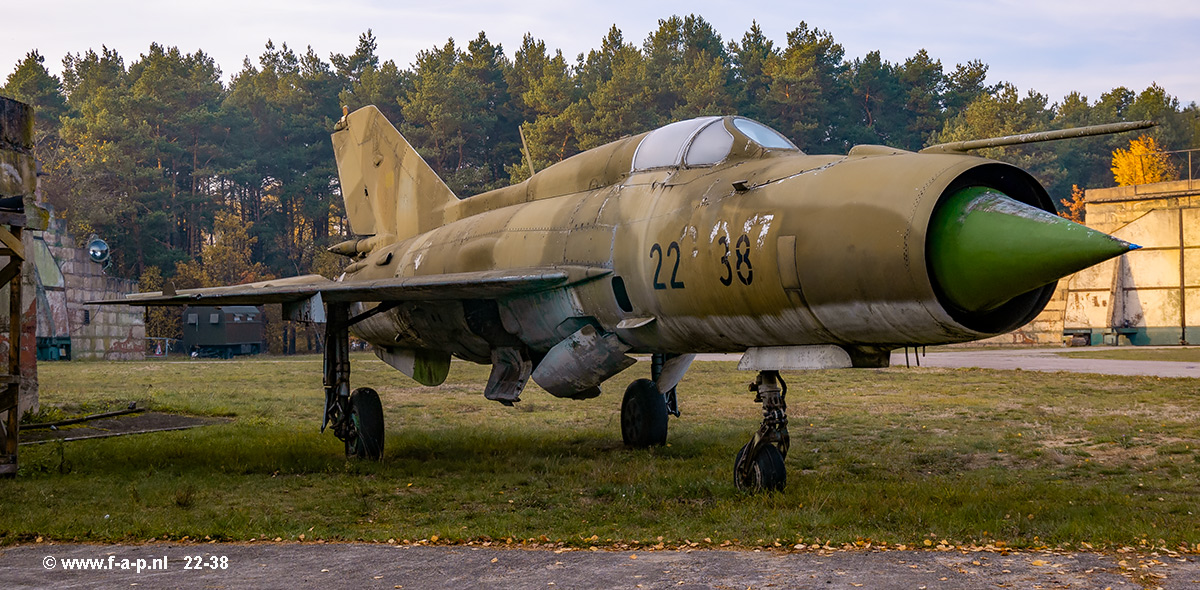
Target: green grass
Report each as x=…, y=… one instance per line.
x=1177, y=354
x=895, y=455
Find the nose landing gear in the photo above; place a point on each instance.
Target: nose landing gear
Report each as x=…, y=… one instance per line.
x=759, y=464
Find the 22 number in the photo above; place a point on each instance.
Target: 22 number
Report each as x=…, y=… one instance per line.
x=673, y=247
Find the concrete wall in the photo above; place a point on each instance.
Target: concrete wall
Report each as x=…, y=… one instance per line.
x=112, y=332
x=1152, y=295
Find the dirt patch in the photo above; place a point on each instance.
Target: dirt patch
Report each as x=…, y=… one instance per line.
x=1139, y=450
x=128, y=424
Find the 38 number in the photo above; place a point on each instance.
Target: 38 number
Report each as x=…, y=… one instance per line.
x=743, y=260
x=745, y=270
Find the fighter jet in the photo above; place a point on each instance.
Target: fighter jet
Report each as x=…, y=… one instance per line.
x=710, y=235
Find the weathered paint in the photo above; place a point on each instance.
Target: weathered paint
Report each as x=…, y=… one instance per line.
x=859, y=249
x=766, y=248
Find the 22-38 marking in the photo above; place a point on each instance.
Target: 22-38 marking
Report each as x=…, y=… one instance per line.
x=741, y=267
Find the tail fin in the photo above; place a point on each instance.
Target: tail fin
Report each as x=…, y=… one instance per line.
x=387, y=187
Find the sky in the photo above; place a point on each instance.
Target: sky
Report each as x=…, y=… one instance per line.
x=1051, y=46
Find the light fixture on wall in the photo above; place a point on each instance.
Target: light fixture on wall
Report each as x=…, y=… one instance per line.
x=98, y=251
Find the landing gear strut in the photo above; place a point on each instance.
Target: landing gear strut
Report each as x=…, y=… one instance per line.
x=356, y=418
x=759, y=465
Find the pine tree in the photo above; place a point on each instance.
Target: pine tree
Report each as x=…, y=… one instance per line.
x=32, y=84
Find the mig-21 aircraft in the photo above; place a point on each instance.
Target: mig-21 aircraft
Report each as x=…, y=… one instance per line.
x=709, y=235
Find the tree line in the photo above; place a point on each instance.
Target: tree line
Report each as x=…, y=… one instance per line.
x=161, y=158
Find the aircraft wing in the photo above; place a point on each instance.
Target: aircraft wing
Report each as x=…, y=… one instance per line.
x=488, y=284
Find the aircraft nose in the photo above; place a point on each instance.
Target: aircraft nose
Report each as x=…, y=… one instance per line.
x=984, y=248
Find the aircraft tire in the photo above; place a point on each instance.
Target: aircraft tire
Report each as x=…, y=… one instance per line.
x=643, y=415
x=366, y=413
x=767, y=471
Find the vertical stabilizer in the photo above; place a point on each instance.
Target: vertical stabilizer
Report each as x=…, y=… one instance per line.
x=387, y=187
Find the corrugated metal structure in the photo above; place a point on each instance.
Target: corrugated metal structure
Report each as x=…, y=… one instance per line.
x=1152, y=295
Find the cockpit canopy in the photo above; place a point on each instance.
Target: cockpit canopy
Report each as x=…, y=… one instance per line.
x=704, y=141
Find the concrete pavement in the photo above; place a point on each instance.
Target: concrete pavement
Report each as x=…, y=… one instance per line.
x=304, y=566
x=1047, y=359
x=1028, y=359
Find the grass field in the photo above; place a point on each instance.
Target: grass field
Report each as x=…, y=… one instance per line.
x=1177, y=354
x=895, y=455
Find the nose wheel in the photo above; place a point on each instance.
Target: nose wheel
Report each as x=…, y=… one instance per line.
x=759, y=465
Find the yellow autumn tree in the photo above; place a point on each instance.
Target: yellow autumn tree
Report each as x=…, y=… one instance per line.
x=1074, y=205
x=1143, y=163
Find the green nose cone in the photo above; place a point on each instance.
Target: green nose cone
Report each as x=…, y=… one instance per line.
x=985, y=248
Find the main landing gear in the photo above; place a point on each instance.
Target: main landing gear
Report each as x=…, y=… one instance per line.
x=759, y=465
x=356, y=417
x=644, y=409
x=643, y=415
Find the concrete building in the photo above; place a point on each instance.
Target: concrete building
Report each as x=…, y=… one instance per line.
x=1149, y=296
x=66, y=327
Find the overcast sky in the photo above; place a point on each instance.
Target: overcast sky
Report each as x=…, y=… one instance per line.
x=1052, y=46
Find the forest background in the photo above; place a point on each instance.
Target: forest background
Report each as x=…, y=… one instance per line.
x=202, y=182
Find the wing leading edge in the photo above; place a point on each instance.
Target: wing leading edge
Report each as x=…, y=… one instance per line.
x=488, y=284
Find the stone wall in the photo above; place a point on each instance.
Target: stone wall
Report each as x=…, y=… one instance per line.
x=1151, y=295
x=112, y=332
x=1144, y=297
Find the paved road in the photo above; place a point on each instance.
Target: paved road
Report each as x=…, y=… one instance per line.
x=1028, y=359
x=1048, y=359
x=417, y=567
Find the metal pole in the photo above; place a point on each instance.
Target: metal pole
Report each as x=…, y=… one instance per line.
x=1182, y=287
